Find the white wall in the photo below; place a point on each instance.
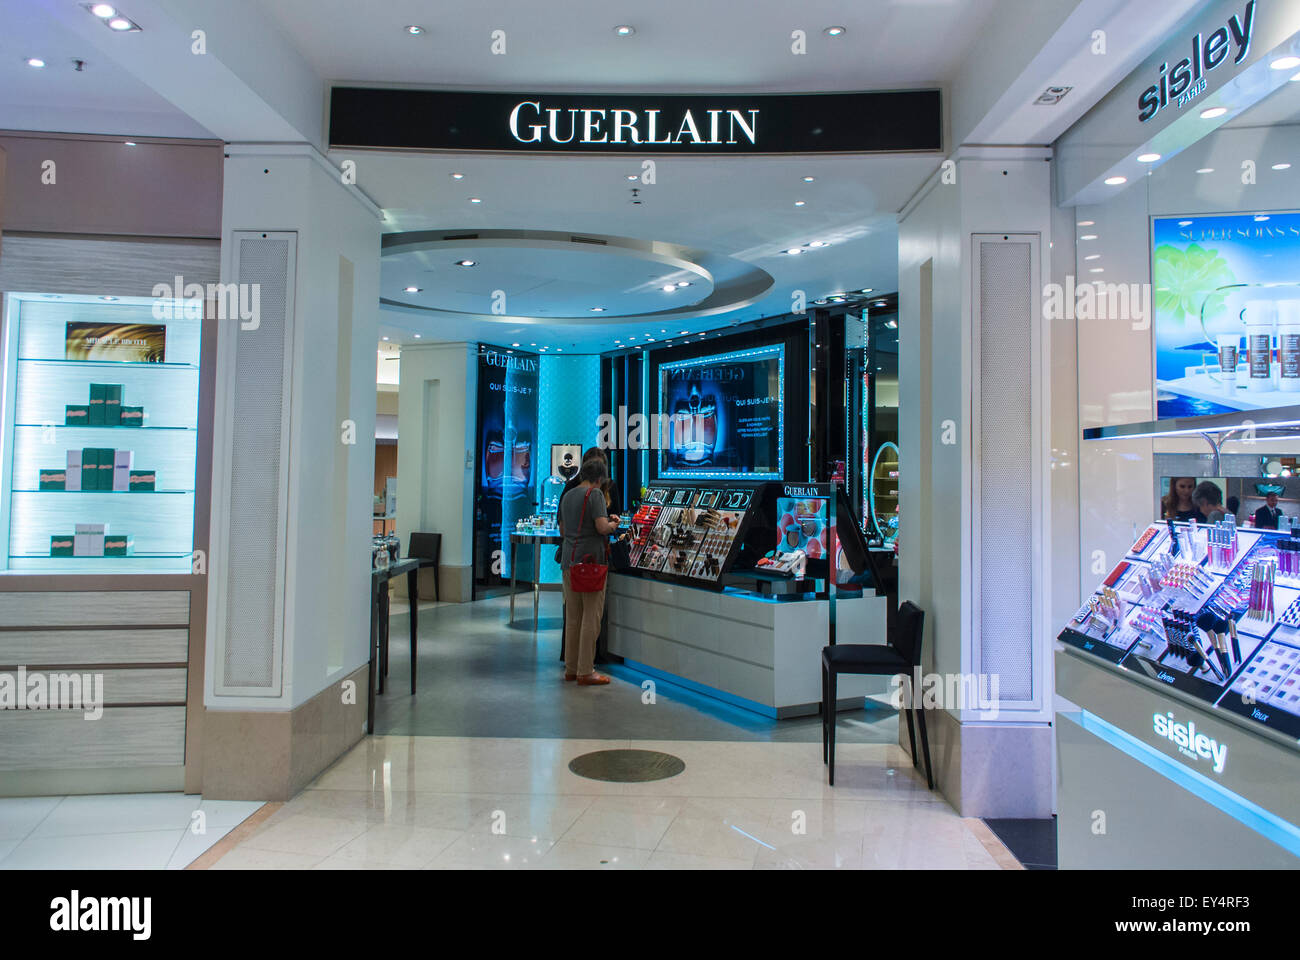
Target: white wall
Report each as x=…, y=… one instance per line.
x=437, y=401
x=327, y=586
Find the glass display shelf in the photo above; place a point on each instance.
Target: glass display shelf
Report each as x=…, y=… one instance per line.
x=56, y=355
x=54, y=361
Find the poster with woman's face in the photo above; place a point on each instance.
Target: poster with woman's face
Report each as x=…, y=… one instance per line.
x=566, y=458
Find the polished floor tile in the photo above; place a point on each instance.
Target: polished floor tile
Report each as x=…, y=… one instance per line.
x=19, y=816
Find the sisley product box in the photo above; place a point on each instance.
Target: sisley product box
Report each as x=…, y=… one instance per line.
x=142, y=481
x=104, y=468
x=55, y=479
x=1288, y=345
x=61, y=546
x=112, y=404
x=76, y=415
x=72, y=476
x=122, y=460
x=89, y=540
x=98, y=395
x=118, y=545
x=132, y=416
x=90, y=468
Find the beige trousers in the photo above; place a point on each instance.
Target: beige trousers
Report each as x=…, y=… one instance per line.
x=582, y=614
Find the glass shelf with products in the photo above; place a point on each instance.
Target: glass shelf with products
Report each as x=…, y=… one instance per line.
x=99, y=440
x=883, y=493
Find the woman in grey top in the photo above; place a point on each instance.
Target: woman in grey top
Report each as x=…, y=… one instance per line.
x=586, y=536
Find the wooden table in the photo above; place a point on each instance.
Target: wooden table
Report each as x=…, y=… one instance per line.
x=536, y=540
x=379, y=626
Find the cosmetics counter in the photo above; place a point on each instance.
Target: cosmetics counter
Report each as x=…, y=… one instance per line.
x=100, y=471
x=731, y=592
x=1182, y=676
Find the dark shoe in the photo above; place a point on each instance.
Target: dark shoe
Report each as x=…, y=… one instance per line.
x=570, y=676
x=592, y=679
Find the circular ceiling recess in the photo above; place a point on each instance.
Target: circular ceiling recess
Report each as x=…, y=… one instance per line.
x=516, y=275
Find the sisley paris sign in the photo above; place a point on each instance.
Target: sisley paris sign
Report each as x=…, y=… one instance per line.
x=885, y=121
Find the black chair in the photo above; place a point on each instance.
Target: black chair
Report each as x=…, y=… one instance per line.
x=427, y=548
x=902, y=654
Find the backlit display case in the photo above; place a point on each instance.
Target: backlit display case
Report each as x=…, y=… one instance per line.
x=689, y=533
x=98, y=442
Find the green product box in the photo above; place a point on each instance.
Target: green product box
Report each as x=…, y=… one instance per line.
x=61, y=546
x=76, y=414
x=104, y=468
x=143, y=481
x=98, y=397
x=112, y=404
x=89, y=468
x=118, y=545
x=132, y=416
x=55, y=479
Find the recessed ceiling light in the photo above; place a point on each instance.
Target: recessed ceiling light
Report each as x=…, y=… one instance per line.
x=532, y=344
x=385, y=339
x=1087, y=223
x=669, y=287
x=1115, y=181
x=458, y=176
x=685, y=332
x=1097, y=270
x=821, y=302
x=465, y=263
x=835, y=31
x=414, y=29
x=475, y=200
x=809, y=179
x=865, y=290
x=1148, y=157
x=1093, y=256
x=618, y=341
x=509, y=351
x=559, y=349
x=417, y=336
x=1088, y=236
x=103, y=10
x=1260, y=218
x=412, y=290
x=879, y=303
x=121, y=24
x=35, y=62
x=636, y=348
x=1285, y=63
x=1281, y=166
x=794, y=251
x=1296, y=78
x=514, y=344
x=110, y=299
x=633, y=176
x=128, y=143
x=1205, y=170
x=597, y=309
x=819, y=243
x=1213, y=112
x=799, y=203
x=683, y=283
x=624, y=30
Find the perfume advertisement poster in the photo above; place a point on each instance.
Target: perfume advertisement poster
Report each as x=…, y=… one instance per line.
x=566, y=458
x=120, y=342
x=722, y=415
x=505, y=477
x=1225, y=305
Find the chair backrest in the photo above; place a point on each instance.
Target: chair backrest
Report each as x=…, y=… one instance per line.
x=425, y=546
x=907, y=638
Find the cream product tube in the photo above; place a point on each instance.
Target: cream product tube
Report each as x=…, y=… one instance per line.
x=1229, y=344
x=1260, y=317
x=1288, y=345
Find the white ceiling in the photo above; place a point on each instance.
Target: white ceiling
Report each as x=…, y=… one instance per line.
x=102, y=98
x=736, y=209
x=679, y=45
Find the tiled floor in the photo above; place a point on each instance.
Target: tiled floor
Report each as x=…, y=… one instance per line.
x=482, y=677
x=477, y=803
x=140, y=831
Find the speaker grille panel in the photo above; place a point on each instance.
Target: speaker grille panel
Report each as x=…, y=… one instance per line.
x=1005, y=468
x=253, y=561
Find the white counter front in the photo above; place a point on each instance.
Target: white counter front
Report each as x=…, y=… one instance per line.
x=760, y=653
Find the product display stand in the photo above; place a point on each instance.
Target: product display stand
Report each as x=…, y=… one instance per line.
x=536, y=540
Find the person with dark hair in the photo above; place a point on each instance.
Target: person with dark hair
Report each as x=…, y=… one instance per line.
x=1266, y=517
x=586, y=525
x=1177, y=504
x=1209, y=500
x=608, y=488
x=1234, y=505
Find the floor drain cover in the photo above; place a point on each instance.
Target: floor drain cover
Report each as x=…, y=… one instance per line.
x=627, y=766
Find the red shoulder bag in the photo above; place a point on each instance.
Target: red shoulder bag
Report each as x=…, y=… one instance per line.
x=587, y=576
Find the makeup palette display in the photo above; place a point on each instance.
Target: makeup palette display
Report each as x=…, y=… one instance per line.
x=688, y=533
x=1211, y=610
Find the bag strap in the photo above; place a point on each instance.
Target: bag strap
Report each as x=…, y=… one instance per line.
x=583, y=516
